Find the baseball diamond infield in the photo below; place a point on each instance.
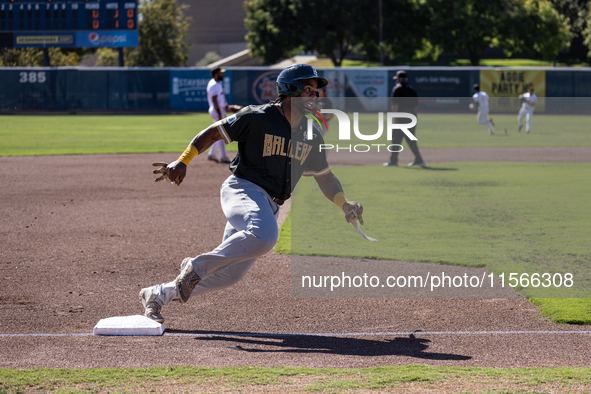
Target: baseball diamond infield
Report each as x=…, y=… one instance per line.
x=81, y=235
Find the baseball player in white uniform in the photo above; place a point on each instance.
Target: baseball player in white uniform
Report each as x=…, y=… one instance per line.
x=529, y=100
x=481, y=105
x=218, y=107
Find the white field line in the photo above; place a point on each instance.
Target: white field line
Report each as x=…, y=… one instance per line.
x=347, y=334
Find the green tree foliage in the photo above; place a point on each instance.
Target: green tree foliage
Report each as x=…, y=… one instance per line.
x=33, y=57
x=576, y=11
x=107, y=57
x=330, y=30
x=578, y=14
x=273, y=28
x=469, y=27
x=334, y=28
x=586, y=33
x=163, y=29
x=404, y=27
x=555, y=29
x=279, y=28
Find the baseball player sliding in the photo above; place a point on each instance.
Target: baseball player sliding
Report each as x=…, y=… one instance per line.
x=529, y=101
x=273, y=153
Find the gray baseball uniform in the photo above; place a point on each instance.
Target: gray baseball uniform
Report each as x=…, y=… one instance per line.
x=270, y=161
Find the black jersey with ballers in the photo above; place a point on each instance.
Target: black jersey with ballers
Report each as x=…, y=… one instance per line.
x=270, y=154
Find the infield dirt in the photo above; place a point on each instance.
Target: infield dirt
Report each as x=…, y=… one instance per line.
x=81, y=235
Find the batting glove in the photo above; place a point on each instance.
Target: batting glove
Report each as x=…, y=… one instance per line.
x=162, y=170
x=354, y=212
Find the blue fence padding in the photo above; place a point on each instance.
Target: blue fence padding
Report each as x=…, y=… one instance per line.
x=560, y=84
x=128, y=89
x=439, y=83
x=582, y=84
x=81, y=89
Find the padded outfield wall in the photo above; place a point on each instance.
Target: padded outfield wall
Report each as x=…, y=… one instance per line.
x=183, y=89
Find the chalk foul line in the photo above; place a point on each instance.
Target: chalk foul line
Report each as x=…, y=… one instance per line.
x=344, y=334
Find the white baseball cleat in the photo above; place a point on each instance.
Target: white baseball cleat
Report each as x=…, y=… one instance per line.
x=185, y=261
x=151, y=306
x=186, y=281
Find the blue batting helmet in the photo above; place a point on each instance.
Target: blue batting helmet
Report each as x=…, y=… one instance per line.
x=288, y=81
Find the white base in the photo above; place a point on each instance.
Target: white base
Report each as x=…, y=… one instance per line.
x=128, y=325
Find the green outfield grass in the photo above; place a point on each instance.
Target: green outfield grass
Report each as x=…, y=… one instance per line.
x=463, y=131
x=332, y=380
x=83, y=134
x=507, y=217
x=565, y=310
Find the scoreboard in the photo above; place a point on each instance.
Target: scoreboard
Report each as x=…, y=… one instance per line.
x=71, y=23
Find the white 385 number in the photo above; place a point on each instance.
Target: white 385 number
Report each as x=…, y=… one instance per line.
x=32, y=77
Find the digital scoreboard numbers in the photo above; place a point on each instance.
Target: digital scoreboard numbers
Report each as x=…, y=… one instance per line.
x=74, y=23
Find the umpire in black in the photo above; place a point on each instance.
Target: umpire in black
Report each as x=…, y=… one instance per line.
x=404, y=99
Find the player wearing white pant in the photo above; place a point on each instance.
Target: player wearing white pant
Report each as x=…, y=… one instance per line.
x=218, y=107
x=273, y=153
x=529, y=100
x=481, y=105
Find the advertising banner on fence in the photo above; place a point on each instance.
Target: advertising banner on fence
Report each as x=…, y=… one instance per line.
x=336, y=86
x=26, y=40
x=367, y=86
x=90, y=39
x=263, y=86
x=107, y=39
x=440, y=90
x=188, y=89
x=509, y=84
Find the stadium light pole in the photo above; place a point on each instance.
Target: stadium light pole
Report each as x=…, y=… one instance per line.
x=380, y=29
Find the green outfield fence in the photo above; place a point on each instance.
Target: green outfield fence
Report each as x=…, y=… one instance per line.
x=73, y=89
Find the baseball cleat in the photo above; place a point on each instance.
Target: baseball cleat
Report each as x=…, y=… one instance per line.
x=520, y=127
x=414, y=163
x=186, y=282
x=185, y=261
x=390, y=165
x=212, y=158
x=151, y=306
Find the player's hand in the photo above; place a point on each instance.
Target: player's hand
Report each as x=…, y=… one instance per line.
x=353, y=211
x=234, y=108
x=174, y=172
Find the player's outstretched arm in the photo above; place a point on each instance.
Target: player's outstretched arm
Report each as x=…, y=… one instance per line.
x=332, y=189
x=177, y=170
